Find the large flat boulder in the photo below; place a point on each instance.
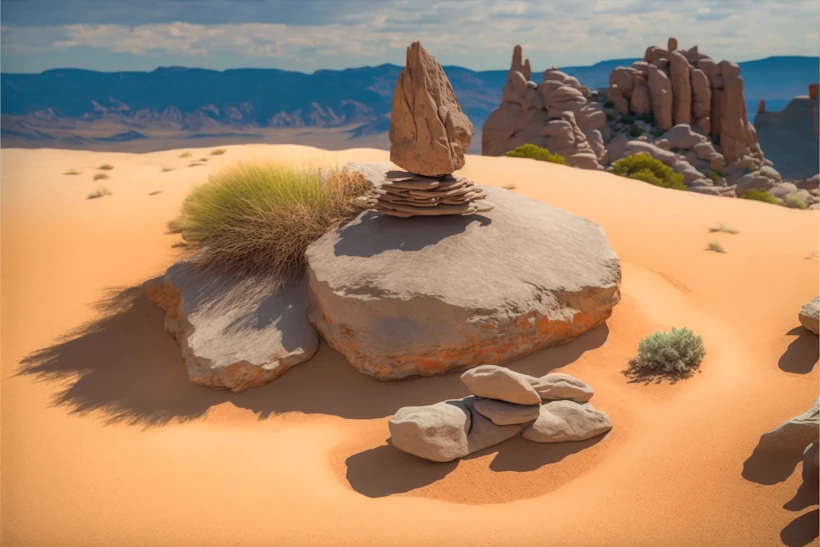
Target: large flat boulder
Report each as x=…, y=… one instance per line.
x=423, y=296
x=234, y=333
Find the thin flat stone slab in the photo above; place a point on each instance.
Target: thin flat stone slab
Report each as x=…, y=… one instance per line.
x=235, y=333
x=557, y=386
x=501, y=413
x=442, y=294
x=560, y=421
x=484, y=433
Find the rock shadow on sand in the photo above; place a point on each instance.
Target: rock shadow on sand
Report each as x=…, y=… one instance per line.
x=801, y=531
x=802, y=354
x=124, y=368
x=386, y=470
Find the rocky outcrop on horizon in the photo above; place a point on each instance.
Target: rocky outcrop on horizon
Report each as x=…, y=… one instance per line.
x=556, y=114
x=551, y=409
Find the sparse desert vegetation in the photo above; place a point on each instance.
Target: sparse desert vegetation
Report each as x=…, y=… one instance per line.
x=167, y=169
x=725, y=228
x=101, y=176
x=647, y=169
x=677, y=353
x=106, y=167
x=715, y=246
x=534, y=152
x=260, y=217
x=795, y=202
x=73, y=172
x=185, y=155
x=155, y=192
x=760, y=195
x=218, y=151
x=99, y=193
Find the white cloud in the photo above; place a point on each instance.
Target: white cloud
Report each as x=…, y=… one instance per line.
x=474, y=33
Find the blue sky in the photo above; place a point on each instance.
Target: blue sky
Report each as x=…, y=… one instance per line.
x=307, y=35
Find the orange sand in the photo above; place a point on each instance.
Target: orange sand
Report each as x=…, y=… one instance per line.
x=106, y=442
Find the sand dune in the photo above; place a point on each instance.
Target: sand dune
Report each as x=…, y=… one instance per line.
x=106, y=442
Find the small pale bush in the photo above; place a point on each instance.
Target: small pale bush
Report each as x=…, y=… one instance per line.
x=676, y=352
x=100, y=192
x=259, y=218
x=534, y=152
x=106, y=167
x=100, y=176
x=760, y=195
x=218, y=151
x=795, y=202
x=185, y=155
x=715, y=246
x=725, y=228
x=646, y=168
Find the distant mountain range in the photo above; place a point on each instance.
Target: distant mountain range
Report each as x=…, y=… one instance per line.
x=73, y=108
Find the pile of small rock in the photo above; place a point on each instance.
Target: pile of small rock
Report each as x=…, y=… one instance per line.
x=550, y=409
x=429, y=135
x=407, y=195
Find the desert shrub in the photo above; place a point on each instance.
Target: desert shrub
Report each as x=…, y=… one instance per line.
x=715, y=246
x=167, y=169
x=760, y=195
x=627, y=120
x=534, y=152
x=73, y=172
x=795, y=202
x=155, y=192
x=218, y=151
x=185, y=155
x=635, y=131
x=676, y=352
x=725, y=228
x=100, y=176
x=609, y=117
x=644, y=167
x=646, y=118
x=100, y=192
x=259, y=218
x=106, y=167
x=609, y=104
x=713, y=175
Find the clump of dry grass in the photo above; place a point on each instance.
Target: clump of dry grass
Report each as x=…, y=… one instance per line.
x=166, y=169
x=185, y=155
x=715, y=246
x=106, y=167
x=218, y=151
x=259, y=218
x=155, y=192
x=724, y=228
x=73, y=172
x=202, y=159
x=100, y=192
x=100, y=176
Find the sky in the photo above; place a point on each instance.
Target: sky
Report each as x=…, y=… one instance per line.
x=307, y=35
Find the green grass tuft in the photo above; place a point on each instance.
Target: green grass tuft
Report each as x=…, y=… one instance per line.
x=795, y=202
x=760, y=195
x=644, y=167
x=260, y=218
x=675, y=353
x=100, y=192
x=635, y=131
x=713, y=175
x=534, y=152
x=609, y=104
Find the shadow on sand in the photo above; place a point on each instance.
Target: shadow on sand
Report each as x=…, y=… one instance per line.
x=385, y=470
x=767, y=466
x=802, y=354
x=126, y=368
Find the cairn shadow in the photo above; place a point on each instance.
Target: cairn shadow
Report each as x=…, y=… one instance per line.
x=808, y=494
x=768, y=466
x=802, y=354
x=386, y=470
x=124, y=368
x=375, y=233
x=801, y=531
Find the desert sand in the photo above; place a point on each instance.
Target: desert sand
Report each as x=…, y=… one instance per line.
x=106, y=442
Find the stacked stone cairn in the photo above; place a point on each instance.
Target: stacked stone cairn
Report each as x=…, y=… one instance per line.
x=429, y=135
x=550, y=409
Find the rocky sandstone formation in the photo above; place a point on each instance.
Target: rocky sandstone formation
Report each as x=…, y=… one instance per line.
x=556, y=114
x=429, y=133
x=810, y=316
x=457, y=428
x=452, y=293
x=234, y=333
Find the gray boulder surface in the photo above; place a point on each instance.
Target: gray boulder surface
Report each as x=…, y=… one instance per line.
x=435, y=432
x=810, y=315
x=792, y=436
x=561, y=421
x=401, y=298
x=503, y=384
x=502, y=413
x=235, y=333
x=557, y=386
